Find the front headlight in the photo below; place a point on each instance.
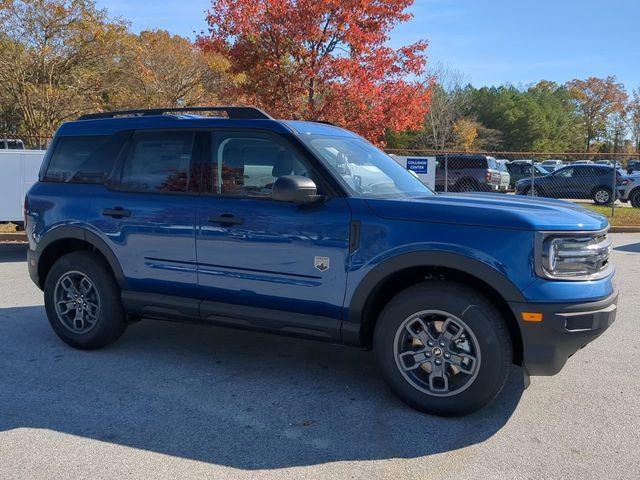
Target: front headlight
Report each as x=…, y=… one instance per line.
x=573, y=256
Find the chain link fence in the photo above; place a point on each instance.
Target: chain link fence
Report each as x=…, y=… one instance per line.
x=601, y=180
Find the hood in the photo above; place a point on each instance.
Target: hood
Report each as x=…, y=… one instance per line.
x=491, y=210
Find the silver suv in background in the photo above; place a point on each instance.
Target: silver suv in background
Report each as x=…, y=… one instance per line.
x=505, y=176
x=467, y=172
x=629, y=189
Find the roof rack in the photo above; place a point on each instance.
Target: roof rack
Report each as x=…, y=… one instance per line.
x=235, y=113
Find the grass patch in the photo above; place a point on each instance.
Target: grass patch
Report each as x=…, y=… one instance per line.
x=624, y=216
x=8, y=227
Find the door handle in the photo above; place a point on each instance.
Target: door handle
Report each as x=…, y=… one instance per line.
x=226, y=219
x=116, y=212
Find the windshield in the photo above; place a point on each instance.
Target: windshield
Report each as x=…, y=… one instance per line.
x=502, y=167
x=540, y=170
x=366, y=171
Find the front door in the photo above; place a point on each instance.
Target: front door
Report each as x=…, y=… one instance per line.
x=269, y=264
x=560, y=184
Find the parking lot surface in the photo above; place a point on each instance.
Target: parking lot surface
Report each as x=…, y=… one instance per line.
x=189, y=401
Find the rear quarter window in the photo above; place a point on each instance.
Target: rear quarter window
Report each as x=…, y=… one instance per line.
x=85, y=159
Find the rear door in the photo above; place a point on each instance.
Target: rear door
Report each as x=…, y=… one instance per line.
x=266, y=263
x=146, y=212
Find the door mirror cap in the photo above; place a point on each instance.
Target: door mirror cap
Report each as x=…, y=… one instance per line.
x=295, y=189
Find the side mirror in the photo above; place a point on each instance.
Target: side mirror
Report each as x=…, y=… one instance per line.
x=295, y=189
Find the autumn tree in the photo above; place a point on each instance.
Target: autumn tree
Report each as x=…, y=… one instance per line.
x=449, y=101
x=164, y=70
x=324, y=60
x=465, y=132
x=57, y=59
x=596, y=99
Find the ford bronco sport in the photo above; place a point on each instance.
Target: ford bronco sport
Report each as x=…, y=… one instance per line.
x=306, y=229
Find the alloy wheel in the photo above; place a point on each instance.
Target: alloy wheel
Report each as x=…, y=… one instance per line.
x=437, y=353
x=602, y=196
x=77, y=302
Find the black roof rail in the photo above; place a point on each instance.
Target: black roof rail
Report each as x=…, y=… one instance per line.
x=235, y=113
x=326, y=122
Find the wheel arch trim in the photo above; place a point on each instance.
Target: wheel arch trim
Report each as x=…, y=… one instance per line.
x=351, y=327
x=79, y=233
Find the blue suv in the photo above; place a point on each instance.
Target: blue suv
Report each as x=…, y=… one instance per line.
x=306, y=229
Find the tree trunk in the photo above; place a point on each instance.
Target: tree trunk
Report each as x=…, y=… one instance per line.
x=312, y=99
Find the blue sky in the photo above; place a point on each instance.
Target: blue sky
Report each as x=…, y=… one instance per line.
x=490, y=41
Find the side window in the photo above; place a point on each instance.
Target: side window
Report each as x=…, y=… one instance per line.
x=248, y=164
x=158, y=161
x=80, y=160
x=566, y=173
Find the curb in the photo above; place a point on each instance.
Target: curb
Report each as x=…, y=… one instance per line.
x=17, y=237
x=625, y=229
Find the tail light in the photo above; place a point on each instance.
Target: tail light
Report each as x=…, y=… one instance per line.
x=487, y=176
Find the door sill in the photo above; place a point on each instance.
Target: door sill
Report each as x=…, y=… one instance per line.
x=168, y=307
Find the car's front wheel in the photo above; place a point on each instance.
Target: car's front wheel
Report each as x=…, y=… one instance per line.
x=443, y=348
x=82, y=301
x=634, y=198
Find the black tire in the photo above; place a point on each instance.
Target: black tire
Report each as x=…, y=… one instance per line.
x=536, y=191
x=634, y=198
x=602, y=196
x=110, y=320
x=488, y=329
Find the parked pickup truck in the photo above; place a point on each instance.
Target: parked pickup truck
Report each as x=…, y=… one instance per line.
x=307, y=229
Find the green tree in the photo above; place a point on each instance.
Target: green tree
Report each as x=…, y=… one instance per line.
x=539, y=118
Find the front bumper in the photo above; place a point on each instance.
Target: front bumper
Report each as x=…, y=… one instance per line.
x=564, y=330
x=622, y=194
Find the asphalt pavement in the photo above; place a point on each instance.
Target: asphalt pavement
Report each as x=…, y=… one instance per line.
x=188, y=401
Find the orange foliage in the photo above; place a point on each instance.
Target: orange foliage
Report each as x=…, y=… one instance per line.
x=323, y=60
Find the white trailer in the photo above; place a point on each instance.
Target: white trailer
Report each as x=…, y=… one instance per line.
x=18, y=171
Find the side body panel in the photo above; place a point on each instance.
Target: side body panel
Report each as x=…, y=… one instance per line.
x=155, y=245
x=283, y=257
x=503, y=258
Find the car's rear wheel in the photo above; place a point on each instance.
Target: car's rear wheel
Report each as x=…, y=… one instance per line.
x=533, y=191
x=602, y=196
x=82, y=301
x=443, y=348
x=634, y=198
